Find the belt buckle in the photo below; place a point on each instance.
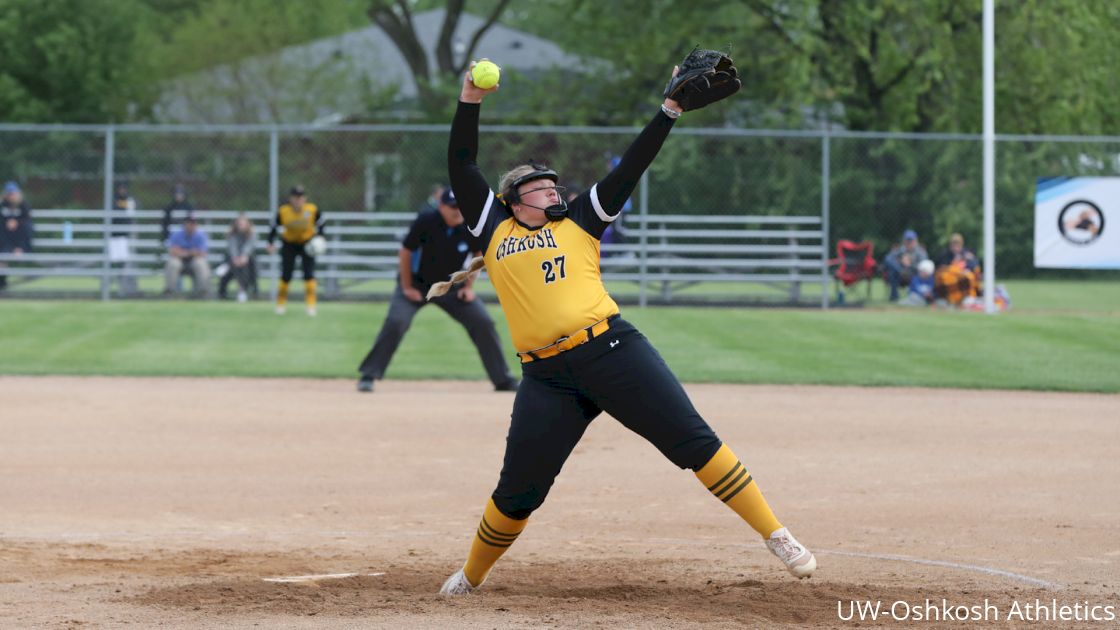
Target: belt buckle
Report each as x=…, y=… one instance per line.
x=562, y=344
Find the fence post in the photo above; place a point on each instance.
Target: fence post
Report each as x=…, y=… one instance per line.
x=273, y=201
x=107, y=201
x=826, y=174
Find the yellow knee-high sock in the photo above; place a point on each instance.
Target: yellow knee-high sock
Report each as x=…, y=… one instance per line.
x=726, y=477
x=282, y=294
x=496, y=532
x=309, y=293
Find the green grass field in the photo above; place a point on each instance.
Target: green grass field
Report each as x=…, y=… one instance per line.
x=1041, y=344
x=1026, y=295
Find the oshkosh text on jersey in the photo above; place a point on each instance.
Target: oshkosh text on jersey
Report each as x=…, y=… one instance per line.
x=512, y=245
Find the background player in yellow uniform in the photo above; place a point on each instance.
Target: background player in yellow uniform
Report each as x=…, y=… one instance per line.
x=301, y=221
x=579, y=357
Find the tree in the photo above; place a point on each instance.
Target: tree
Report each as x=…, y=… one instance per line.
x=628, y=48
x=898, y=65
x=395, y=18
x=75, y=61
x=1056, y=66
x=242, y=62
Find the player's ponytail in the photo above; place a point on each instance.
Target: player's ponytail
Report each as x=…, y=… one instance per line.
x=441, y=288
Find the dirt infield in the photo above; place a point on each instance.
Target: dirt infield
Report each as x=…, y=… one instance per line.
x=166, y=502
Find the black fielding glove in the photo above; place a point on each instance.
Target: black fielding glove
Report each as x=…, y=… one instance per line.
x=704, y=77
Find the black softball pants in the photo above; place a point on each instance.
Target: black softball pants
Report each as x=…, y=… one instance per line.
x=618, y=372
x=288, y=254
x=470, y=315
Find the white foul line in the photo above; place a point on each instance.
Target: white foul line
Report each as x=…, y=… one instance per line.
x=942, y=563
x=313, y=578
x=881, y=556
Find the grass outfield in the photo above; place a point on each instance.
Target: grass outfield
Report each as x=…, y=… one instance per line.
x=1026, y=295
x=1077, y=351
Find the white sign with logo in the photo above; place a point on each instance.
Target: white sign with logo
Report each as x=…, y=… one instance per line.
x=1077, y=223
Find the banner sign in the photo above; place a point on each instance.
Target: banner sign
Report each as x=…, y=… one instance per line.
x=1077, y=222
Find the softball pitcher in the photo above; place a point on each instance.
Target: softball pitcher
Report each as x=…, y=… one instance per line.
x=578, y=356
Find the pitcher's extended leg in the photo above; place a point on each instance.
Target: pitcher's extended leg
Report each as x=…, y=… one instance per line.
x=549, y=418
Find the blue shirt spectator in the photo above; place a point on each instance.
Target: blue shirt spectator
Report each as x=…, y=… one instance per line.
x=191, y=239
x=188, y=247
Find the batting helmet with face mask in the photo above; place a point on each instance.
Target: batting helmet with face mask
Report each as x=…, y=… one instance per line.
x=554, y=212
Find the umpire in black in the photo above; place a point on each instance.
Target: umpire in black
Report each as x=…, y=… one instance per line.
x=436, y=246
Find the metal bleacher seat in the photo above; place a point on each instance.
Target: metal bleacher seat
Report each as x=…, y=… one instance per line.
x=678, y=251
x=671, y=252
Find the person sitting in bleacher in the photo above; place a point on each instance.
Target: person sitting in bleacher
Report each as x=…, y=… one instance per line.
x=240, y=262
x=15, y=226
x=179, y=204
x=187, y=250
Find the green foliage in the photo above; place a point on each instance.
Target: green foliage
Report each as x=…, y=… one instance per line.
x=79, y=61
x=230, y=64
x=1056, y=67
x=99, y=61
x=219, y=32
x=1073, y=352
x=630, y=47
x=866, y=64
x=885, y=65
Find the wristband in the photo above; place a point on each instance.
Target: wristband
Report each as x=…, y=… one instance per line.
x=671, y=113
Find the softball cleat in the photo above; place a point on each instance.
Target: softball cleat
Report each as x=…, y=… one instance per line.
x=799, y=561
x=457, y=584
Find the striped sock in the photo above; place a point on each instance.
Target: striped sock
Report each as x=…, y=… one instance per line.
x=282, y=294
x=309, y=291
x=496, y=532
x=726, y=477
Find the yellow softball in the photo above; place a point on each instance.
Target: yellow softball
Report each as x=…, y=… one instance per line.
x=485, y=74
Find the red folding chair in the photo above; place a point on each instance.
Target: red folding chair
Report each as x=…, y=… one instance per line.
x=855, y=262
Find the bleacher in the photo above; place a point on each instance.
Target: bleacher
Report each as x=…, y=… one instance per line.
x=674, y=252
x=74, y=243
x=663, y=256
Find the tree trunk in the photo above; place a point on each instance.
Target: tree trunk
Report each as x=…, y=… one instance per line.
x=396, y=20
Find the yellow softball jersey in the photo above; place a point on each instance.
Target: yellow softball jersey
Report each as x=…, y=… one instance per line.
x=299, y=226
x=548, y=279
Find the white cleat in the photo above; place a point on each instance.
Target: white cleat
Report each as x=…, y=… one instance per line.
x=798, y=560
x=457, y=584
x=280, y=310
x=311, y=312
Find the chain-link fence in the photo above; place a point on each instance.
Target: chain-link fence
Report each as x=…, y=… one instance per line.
x=854, y=186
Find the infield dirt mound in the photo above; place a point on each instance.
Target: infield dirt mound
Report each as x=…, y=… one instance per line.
x=165, y=502
x=617, y=593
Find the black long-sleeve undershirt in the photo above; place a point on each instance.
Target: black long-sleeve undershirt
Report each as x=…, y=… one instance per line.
x=471, y=188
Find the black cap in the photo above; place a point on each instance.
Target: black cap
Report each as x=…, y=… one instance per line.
x=190, y=218
x=448, y=198
x=297, y=191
